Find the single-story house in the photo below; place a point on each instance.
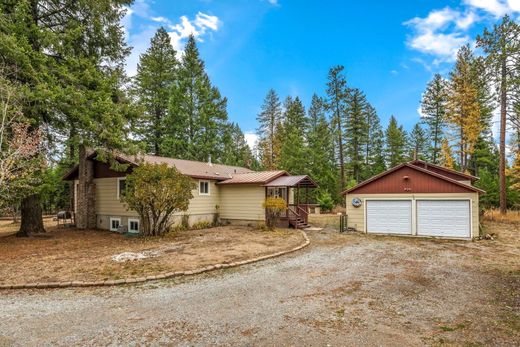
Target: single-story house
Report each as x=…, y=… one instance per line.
x=236, y=194
x=416, y=199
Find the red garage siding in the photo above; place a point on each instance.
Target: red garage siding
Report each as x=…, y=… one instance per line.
x=417, y=182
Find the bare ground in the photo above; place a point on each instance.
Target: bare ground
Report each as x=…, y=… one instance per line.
x=343, y=290
x=67, y=254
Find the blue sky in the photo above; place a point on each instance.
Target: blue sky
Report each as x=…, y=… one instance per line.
x=390, y=50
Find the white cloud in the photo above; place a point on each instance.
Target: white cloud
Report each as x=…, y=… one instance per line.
x=196, y=27
x=273, y=2
x=203, y=24
x=441, y=33
x=251, y=139
x=495, y=7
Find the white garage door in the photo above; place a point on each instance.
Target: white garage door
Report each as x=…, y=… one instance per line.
x=389, y=216
x=443, y=218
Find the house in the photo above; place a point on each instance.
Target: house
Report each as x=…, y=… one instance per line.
x=236, y=194
x=416, y=199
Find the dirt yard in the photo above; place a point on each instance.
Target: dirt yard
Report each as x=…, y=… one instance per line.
x=66, y=254
x=7, y=227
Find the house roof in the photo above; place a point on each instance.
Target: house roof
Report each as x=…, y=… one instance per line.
x=441, y=169
x=292, y=181
x=417, y=168
x=261, y=177
x=191, y=168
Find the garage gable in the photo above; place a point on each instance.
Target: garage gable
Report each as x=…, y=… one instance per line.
x=407, y=178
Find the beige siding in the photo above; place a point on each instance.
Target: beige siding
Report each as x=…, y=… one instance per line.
x=243, y=202
x=356, y=215
x=107, y=202
x=203, y=204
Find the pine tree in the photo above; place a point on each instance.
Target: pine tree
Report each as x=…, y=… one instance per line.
x=446, y=157
x=355, y=131
x=156, y=73
x=433, y=106
x=463, y=106
x=502, y=46
x=374, y=145
x=197, y=116
x=321, y=150
x=418, y=142
x=293, y=150
x=70, y=58
x=235, y=149
x=269, y=120
x=337, y=93
x=395, y=149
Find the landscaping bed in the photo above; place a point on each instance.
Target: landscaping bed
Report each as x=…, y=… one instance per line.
x=68, y=254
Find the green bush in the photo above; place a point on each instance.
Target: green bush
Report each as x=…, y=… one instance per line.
x=325, y=201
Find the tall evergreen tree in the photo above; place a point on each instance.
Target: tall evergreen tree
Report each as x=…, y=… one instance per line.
x=355, y=131
x=321, y=149
x=197, y=116
x=395, y=148
x=502, y=46
x=374, y=145
x=235, y=150
x=70, y=58
x=418, y=142
x=156, y=73
x=269, y=120
x=337, y=93
x=293, y=151
x=433, y=106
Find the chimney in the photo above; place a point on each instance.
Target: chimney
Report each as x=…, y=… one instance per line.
x=414, y=154
x=209, y=160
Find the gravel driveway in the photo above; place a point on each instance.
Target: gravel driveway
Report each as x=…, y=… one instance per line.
x=342, y=290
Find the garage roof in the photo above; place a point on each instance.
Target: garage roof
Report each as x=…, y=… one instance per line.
x=426, y=181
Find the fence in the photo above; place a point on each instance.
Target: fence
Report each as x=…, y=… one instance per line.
x=343, y=223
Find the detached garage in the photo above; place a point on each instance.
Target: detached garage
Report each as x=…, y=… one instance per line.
x=416, y=199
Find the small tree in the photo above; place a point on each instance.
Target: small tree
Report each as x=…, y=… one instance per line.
x=325, y=201
x=274, y=208
x=156, y=192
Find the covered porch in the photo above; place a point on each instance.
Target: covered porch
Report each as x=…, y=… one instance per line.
x=295, y=190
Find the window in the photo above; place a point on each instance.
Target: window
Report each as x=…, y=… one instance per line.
x=203, y=187
x=133, y=225
x=115, y=223
x=277, y=192
x=121, y=187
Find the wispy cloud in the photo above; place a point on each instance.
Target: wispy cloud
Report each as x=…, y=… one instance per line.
x=273, y=2
x=441, y=33
x=198, y=27
x=179, y=29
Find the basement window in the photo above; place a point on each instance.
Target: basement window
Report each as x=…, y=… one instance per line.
x=133, y=225
x=204, y=188
x=115, y=223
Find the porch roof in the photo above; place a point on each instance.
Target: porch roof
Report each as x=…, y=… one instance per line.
x=292, y=181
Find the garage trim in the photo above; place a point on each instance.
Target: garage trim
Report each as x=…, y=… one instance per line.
x=413, y=213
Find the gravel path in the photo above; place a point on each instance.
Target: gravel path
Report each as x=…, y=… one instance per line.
x=342, y=290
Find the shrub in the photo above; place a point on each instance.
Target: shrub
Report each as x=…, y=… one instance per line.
x=274, y=208
x=156, y=192
x=325, y=201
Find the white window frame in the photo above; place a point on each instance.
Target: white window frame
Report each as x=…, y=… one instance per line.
x=118, y=185
x=130, y=220
x=113, y=219
x=209, y=188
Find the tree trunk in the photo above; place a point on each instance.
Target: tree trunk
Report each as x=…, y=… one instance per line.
x=503, y=114
x=32, y=219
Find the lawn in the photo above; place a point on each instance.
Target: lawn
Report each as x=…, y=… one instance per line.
x=68, y=254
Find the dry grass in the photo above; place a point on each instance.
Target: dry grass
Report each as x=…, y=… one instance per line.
x=65, y=254
x=494, y=215
x=7, y=227
x=324, y=220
